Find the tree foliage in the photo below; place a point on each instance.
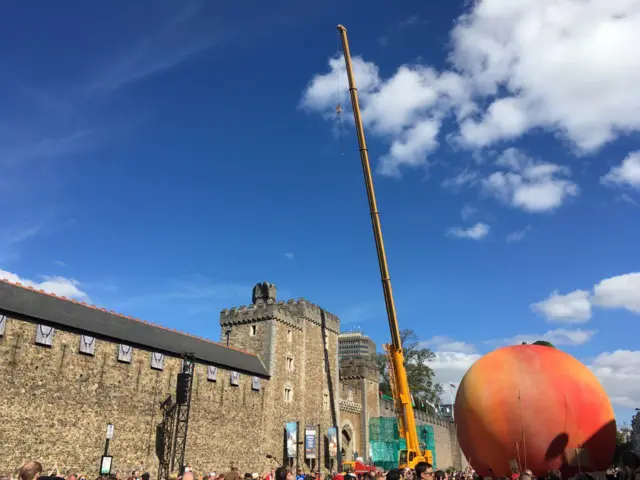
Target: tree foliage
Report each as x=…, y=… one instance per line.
x=544, y=343
x=420, y=375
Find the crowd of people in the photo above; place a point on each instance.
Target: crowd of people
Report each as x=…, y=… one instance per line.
x=423, y=471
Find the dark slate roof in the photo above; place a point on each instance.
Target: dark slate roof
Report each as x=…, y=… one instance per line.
x=54, y=310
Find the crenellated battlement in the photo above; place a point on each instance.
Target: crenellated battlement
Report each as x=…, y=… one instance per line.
x=359, y=368
x=293, y=312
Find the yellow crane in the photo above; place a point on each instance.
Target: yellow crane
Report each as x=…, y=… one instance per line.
x=397, y=372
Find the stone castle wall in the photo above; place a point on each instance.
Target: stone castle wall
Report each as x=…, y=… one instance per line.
x=56, y=404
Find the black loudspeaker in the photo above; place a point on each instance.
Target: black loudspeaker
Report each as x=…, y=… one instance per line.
x=182, y=390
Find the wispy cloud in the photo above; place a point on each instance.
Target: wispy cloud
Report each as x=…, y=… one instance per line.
x=467, y=211
x=193, y=289
x=475, y=232
x=443, y=343
x=289, y=255
x=391, y=31
x=49, y=147
x=179, y=39
x=12, y=239
x=359, y=313
x=518, y=235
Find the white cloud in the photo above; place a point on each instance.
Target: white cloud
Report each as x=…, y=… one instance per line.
x=61, y=286
x=289, y=255
x=476, y=232
x=627, y=173
x=529, y=185
x=451, y=367
x=411, y=148
x=518, y=235
x=574, y=307
x=406, y=109
x=505, y=119
x=566, y=65
x=442, y=343
x=622, y=291
x=452, y=360
x=619, y=373
x=559, y=336
x=325, y=91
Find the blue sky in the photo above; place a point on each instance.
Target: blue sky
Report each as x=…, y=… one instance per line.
x=160, y=158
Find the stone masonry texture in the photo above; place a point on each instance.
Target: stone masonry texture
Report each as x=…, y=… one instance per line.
x=56, y=402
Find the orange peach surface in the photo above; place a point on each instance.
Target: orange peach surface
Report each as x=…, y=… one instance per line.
x=536, y=405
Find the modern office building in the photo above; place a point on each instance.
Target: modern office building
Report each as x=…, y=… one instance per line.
x=355, y=345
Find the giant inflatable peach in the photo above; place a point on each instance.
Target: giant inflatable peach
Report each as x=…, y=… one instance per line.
x=536, y=407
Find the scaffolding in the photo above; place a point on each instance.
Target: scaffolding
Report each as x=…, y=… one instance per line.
x=385, y=441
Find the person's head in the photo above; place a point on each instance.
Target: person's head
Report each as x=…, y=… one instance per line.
x=554, y=475
x=525, y=476
x=394, y=474
x=440, y=475
x=281, y=473
x=424, y=471
x=188, y=475
x=290, y=476
x=30, y=471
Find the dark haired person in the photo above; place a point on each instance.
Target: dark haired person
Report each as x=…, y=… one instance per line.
x=424, y=471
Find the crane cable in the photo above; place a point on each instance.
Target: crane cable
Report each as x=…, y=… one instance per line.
x=339, y=105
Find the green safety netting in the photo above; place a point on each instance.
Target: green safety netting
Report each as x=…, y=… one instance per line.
x=385, y=441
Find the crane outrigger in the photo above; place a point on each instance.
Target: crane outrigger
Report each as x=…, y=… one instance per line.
x=397, y=372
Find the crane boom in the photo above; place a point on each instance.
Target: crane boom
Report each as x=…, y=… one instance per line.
x=397, y=372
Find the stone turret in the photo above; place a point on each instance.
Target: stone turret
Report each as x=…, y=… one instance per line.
x=263, y=293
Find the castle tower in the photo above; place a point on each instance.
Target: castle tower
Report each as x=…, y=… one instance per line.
x=362, y=374
x=298, y=344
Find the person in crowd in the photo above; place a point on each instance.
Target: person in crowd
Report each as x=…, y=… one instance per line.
x=554, y=475
x=30, y=471
x=281, y=473
x=424, y=471
x=232, y=474
x=395, y=474
x=525, y=476
x=440, y=475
